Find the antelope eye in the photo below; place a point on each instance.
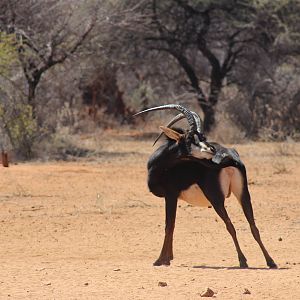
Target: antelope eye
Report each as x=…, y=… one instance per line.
x=212, y=148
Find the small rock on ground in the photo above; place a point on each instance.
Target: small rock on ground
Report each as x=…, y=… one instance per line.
x=162, y=284
x=208, y=293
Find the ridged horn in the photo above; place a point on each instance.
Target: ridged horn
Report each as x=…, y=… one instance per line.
x=189, y=116
x=198, y=122
x=172, y=122
x=177, y=119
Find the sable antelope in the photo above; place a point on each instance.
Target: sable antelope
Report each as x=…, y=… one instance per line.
x=187, y=167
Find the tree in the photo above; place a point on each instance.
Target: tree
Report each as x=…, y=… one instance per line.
x=268, y=76
x=221, y=33
x=40, y=46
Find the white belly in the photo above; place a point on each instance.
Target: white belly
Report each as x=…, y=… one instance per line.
x=194, y=195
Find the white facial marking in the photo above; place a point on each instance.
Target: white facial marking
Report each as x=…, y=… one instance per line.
x=204, y=147
x=203, y=152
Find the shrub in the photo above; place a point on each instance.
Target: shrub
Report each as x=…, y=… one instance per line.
x=21, y=128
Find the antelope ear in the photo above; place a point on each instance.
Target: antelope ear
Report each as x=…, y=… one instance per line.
x=172, y=134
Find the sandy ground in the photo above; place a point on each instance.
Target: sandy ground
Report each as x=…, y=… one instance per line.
x=91, y=230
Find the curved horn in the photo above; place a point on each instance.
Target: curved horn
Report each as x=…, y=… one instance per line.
x=173, y=121
x=189, y=116
x=198, y=122
x=180, y=117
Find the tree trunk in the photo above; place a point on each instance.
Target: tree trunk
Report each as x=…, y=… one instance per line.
x=210, y=109
x=31, y=97
x=4, y=158
x=209, y=118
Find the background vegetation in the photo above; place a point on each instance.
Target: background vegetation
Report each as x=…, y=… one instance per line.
x=69, y=67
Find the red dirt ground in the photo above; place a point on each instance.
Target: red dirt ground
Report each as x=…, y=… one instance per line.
x=91, y=230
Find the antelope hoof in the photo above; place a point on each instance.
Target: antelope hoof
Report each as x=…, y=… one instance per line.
x=243, y=265
x=162, y=262
x=271, y=264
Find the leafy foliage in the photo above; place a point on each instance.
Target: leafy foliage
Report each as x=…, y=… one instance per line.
x=8, y=54
x=238, y=58
x=20, y=126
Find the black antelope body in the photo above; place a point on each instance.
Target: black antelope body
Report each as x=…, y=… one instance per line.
x=187, y=167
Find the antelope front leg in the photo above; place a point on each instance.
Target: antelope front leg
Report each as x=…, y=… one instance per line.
x=166, y=254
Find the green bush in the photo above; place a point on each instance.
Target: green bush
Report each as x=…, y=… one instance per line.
x=21, y=128
x=8, y=53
